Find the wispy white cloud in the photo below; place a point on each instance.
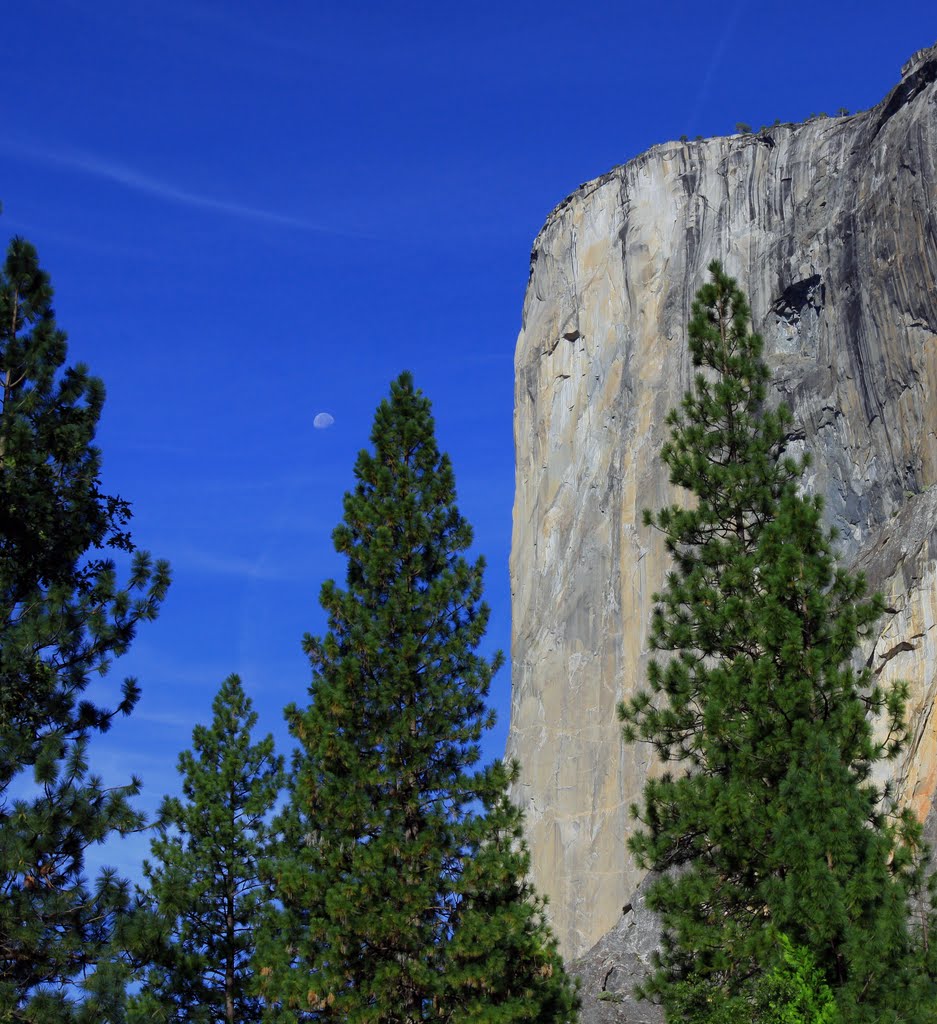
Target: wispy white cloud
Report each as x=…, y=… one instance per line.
x=136, y=181
x=37, y=229
x=717, y=55
x=284, y=482
x=218, y=30
x=171, y=720
x=224, y=564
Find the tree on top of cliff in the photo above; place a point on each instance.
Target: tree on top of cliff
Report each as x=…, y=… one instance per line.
x=402, y=876
x=771, y=826
x=63, y=618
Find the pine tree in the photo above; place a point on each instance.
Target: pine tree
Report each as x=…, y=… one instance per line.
x=402, y=878
x=204, y=894
x=774, y=824
x=63, y=618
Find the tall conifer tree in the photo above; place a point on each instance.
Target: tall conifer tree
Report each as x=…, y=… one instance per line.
x=63, y=618
x=772, y=831
x=402, y=878
x=204, y=893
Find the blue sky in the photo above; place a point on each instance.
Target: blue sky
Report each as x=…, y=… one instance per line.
x=253, y=213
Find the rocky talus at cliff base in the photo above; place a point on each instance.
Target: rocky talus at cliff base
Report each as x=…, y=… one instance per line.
x=831, y=229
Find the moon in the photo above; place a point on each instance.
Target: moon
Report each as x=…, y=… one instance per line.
x=323, y=421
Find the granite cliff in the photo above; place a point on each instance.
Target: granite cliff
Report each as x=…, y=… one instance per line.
x=831, y=229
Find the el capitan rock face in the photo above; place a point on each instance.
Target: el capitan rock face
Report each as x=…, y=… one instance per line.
x=831, y=229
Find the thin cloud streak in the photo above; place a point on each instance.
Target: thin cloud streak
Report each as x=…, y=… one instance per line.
x=172, y=720
x=261, y=569
x=129, y=178
x=719, y=50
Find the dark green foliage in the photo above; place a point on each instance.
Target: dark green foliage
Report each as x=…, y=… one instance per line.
x=204, y=895
x=402, y=877
x=63, y=618
x=773, y=823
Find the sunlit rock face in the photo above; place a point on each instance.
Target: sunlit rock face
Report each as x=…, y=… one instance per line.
x=831, y=229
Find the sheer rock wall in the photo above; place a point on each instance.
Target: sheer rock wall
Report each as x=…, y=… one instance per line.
x=831, y=228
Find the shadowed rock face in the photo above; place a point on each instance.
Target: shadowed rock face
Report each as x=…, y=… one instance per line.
x=831, y=229
x=608, y=971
